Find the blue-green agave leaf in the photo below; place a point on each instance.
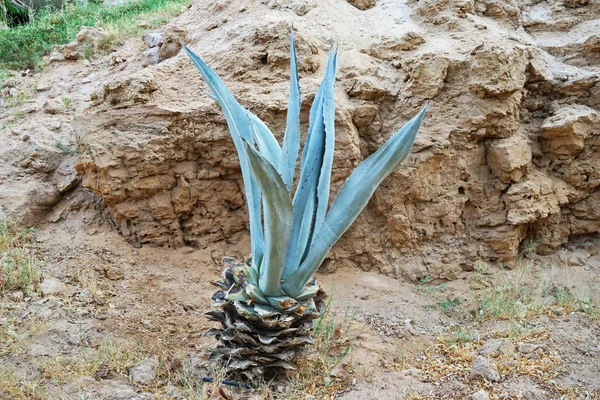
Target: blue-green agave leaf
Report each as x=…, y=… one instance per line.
x=236, y=292
x=252, y=276
x=291, y=138
x=351, y=200
x=265, y=311
x=267, y=144
x=306, y=200
x=329, y=122
x=255, y=294
x=237, y=120
x=278, y=221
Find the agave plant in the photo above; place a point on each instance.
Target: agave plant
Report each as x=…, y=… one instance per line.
x=267, y=303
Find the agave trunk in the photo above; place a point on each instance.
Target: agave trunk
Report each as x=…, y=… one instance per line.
x=260, y=336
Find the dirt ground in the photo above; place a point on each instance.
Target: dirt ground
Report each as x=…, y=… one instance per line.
x=114, y=320
x=122, y=307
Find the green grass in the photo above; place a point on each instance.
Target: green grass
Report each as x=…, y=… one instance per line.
x=572, y=302
x=514, y=300
x=66, y=149
x=22, y=47
x=425, y=285
x=449, y=305
x=66, y=101
x=458, y=336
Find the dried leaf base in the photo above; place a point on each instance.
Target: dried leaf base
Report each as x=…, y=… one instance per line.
x=259, y=336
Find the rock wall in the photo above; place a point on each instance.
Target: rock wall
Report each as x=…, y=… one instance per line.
x=509, y=151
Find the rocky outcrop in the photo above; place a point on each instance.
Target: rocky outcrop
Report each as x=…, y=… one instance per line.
x=162, y=45
x=87, y=41
x=508, y=151
x=36, y=168
x=362, y=4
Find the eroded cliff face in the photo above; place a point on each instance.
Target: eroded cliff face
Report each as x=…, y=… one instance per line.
x=508, y=153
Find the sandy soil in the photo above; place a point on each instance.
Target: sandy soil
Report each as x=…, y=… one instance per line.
x=109, y=309
x=409, y=341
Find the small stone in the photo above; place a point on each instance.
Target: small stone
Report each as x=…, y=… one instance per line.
x=45, y=195
x=114, y=273
x=169, y=48
x=482, y=369
x=173, y=392
x=44, y=84
x=578, y=258
x=412, y=371
x=16, y=296
x=153, y=39
x=589, y=248
x=150, y=56
x=144, y=373
x=85, y=296
x=53, y=106
x=13, y=92
x=492, y=346
x=481, y=395
x=52, y=286
x=527, y=348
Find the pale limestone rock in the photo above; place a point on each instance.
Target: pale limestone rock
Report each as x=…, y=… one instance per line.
x=153, y=39
x=150, y=56
x=53, y=106
x=367, y=88
x=508, y=158
x=162, y=45
x=483, y=369
x=64, y=176
x=158, y=153
x=534, y=198
x=87, y=37
x=52, y=286
x=45, y=83
x=427, y=75
x=567, y=130
x=386, y=48
x=498, y=71
x=144, y=373
x=480, y=395
x=493, y=346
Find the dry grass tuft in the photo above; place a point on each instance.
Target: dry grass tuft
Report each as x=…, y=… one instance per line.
x=327, y=371
x=322, y=374
x=11, y=387
x=19, y=265
x=111, y=359
x=450, y=360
